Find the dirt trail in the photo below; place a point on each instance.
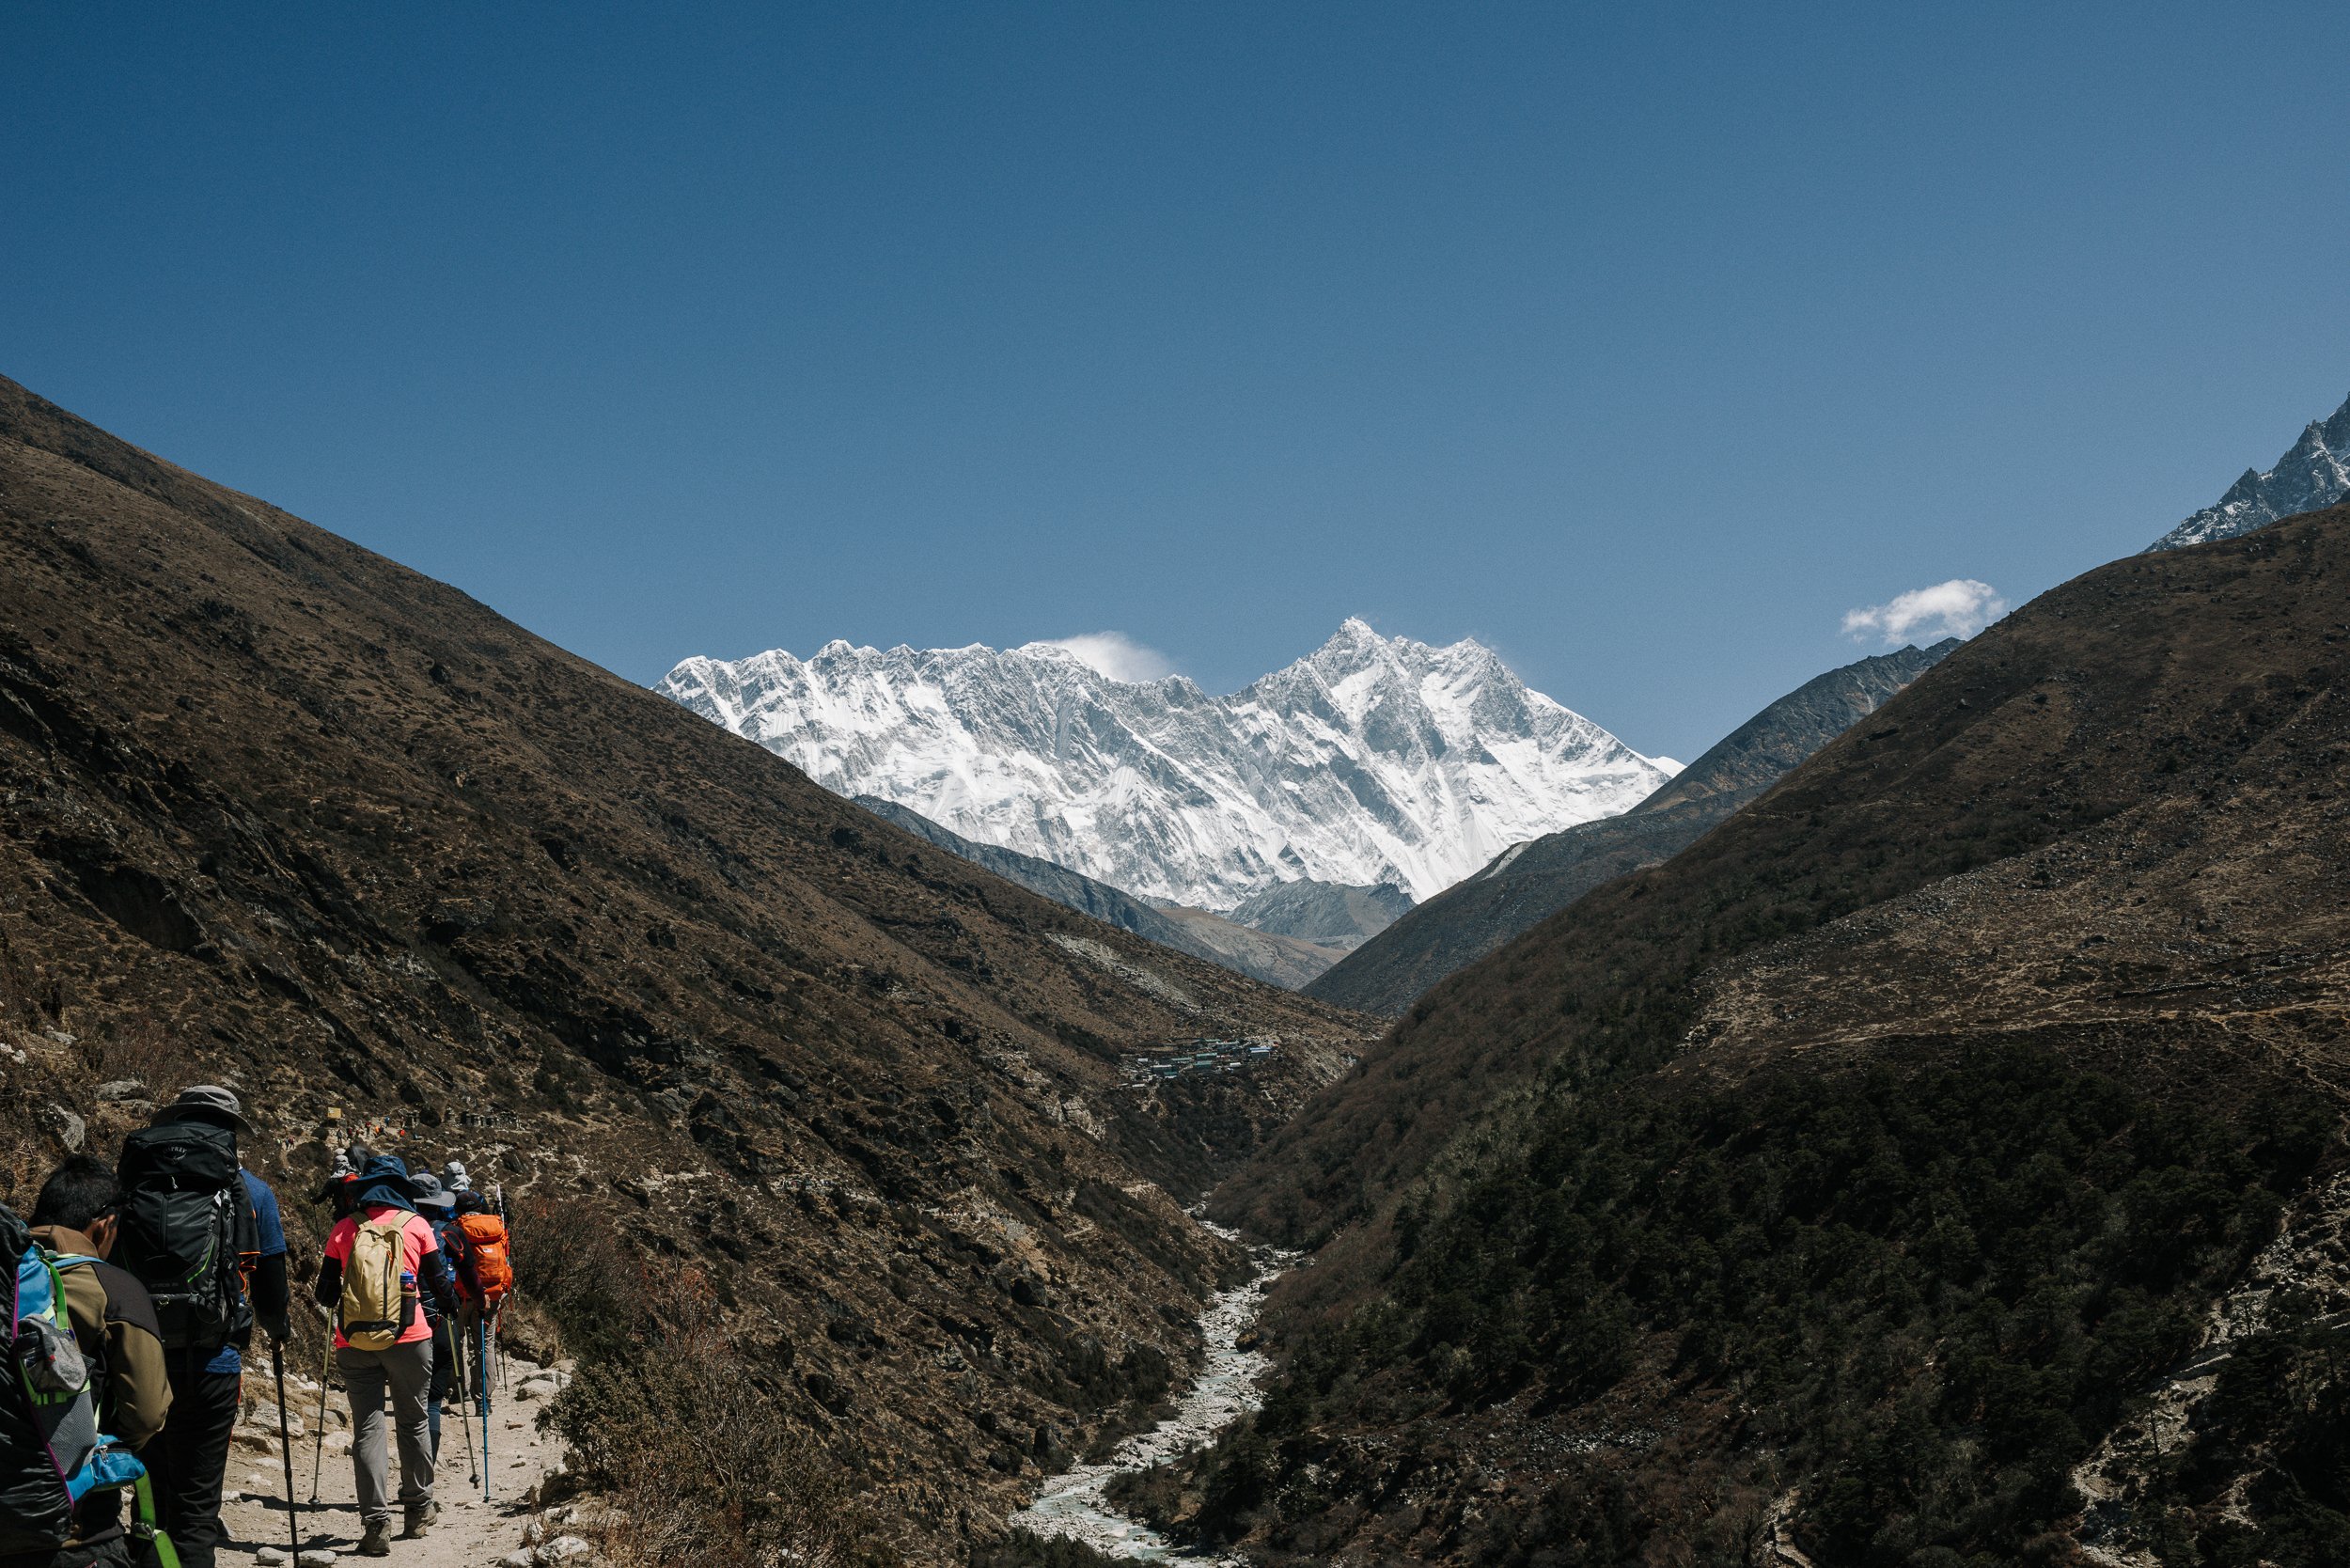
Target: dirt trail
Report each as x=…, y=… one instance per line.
x=470, y=1532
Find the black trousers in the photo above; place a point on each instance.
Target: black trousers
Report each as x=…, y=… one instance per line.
x=189, y=1458
x=108, y=1554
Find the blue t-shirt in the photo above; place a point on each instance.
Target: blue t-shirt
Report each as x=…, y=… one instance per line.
x=271, y=1230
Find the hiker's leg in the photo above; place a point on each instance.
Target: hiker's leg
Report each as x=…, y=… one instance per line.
x=410, y=1369
x=363, y=1375
x=468, y=1314
x=438, y=1393
x=190, y=1458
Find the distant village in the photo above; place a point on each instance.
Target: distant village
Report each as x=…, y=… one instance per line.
x=1184, y=1059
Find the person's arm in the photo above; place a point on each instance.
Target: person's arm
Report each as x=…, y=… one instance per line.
x=270, y=1297
x=327, y=1290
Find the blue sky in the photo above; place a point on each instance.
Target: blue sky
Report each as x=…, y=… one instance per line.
x=1643, y=342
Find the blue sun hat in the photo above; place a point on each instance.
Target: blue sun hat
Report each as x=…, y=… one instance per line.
x=385, y=1180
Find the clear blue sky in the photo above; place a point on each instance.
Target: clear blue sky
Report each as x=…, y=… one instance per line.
x=1642, y=341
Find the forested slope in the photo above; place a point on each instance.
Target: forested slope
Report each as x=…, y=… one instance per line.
x=1858, y=1182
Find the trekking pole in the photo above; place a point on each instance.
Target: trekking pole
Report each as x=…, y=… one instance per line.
x=285, y=1443
x=317, y=1453
x=482, y=1327
x=449, y=1331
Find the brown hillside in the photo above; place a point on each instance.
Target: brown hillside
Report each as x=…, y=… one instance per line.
x=277, y=810
x=2157, y=679
x=1936, y=1163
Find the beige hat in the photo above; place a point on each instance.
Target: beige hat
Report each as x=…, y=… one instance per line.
x=206, y=1103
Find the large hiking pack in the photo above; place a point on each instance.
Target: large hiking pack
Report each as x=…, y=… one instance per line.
x=187, y=1225
x=489, y=1255
x=52, y=1453
x=376, y=1307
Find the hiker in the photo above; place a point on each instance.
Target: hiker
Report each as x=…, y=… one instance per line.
x=195, y=1226
x=454, y=1178
x=485, y=1272
x=381, y=1262
x=112, y=1322
x=437, y=1205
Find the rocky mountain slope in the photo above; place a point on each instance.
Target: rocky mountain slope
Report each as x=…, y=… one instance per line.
x=2314, y=473
x=1373, y=760
x=1341, y=917
x=1937, y=1162
x=1275, y=959
x=278, y=812
x=1531, y=882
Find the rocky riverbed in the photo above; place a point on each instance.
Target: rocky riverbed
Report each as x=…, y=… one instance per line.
x=1072, y=1504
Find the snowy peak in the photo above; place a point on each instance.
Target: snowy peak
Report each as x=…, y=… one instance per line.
x=2314, y=473
x=1372, y=760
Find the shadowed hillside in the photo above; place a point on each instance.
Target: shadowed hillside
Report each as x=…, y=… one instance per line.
x=278, y=812
x=1534, y=881
x=1936, y=1163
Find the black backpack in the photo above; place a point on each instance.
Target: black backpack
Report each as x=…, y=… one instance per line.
x=36, y=1513
x=186, y=1225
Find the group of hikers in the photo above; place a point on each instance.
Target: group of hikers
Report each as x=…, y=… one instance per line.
x=138, y=1289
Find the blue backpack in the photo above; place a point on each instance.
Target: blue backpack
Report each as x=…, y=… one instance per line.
x=52, y=1454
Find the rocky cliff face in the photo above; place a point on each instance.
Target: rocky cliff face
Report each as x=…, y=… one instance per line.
x=1534, y=881
x=1374, y=760
x=1275, y=958
x=2314, y=473
x=278, y=812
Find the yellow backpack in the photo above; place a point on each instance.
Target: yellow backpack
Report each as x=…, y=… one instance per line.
x=375, y=1306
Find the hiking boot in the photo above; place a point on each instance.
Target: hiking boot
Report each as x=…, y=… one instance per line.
x=377, y=1542
x=420, y=1520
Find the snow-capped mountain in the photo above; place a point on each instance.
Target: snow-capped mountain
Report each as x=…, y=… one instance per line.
x=1372, y=760
x=2315, y=473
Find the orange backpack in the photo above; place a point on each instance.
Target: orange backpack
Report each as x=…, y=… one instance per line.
x=486, y=1250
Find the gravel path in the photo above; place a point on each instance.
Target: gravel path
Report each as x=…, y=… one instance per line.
x=471, y=1533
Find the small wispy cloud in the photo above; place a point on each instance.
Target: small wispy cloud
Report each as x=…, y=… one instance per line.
x=1958, y=608
x=1115, y=655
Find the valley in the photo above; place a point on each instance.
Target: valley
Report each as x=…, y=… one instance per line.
x=1915, y=1128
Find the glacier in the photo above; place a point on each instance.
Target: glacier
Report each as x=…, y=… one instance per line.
x=1371, y=760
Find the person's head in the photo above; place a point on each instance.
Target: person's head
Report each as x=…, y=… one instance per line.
x=81, y=1194
x=472, y=1203
x=209, y=1103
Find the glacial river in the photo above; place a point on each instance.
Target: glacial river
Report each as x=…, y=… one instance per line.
x=1072, y=1504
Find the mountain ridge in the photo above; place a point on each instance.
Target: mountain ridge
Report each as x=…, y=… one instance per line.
x=1531, y=882
x=2313, y=473
x=1371, y=760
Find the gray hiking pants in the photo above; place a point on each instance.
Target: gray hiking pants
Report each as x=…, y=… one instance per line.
x=407, y=1372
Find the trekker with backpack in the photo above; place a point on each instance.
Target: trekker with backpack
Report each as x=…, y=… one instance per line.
x=381, y=1262
x=195, y=1225
x=436, y=1204
x=112, y=1324
x=485, y=1273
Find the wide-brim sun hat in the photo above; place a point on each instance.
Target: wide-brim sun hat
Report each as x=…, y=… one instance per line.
x=207, y=1103
x=429, y=1193
x=386, y=1181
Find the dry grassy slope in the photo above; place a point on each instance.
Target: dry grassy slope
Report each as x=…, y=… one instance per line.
x=276, y=808
x=2199, y=692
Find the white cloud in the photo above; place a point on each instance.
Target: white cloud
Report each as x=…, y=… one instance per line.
x=1115, y=655
x=1958, y=608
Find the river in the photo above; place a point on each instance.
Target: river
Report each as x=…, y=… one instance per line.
x=1072, y=1503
